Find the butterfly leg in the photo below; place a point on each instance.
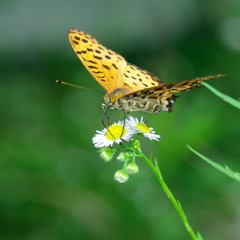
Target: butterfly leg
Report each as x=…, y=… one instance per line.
x=108, y=120
x=103, y=117
x=124, y=121
x=146, y=119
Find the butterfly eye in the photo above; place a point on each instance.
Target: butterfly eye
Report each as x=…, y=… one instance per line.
x=107, y=98
x=113, y=98
x=110, y=98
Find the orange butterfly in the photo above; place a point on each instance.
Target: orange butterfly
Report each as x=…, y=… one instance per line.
x=129, y=88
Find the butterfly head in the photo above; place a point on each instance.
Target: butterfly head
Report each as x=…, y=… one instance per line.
x=111, y=98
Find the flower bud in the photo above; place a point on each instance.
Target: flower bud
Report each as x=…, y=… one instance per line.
x=122, y=156
x=121, y=176
x=132, y=168
x=136, y=145
x=107, y=154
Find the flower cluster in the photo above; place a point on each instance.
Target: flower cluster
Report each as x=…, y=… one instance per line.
x=121, y=130
x=127, y=130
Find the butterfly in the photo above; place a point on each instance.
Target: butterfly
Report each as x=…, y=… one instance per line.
x=129, y=88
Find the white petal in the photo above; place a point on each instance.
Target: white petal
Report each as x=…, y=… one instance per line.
x=99, y=140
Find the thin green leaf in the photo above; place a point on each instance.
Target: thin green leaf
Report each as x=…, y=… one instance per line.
x=226, y=170
x=199, y=236
x=157, y=167
x=223, y=96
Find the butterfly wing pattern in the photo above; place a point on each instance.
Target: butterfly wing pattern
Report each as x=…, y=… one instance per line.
x=129, y=88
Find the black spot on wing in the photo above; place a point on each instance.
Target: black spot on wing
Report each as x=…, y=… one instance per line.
x=75, y=42
x=107, y=67
x=97, y=57
x=91, y=61
x=115, y=66
x=92, y=67
x=125, y=84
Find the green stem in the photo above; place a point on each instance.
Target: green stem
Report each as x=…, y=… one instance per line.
x=155, y=169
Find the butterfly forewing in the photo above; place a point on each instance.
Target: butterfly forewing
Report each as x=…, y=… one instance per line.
x=105, y=65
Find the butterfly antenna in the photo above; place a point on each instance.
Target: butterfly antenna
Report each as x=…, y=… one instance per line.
x=73, y=85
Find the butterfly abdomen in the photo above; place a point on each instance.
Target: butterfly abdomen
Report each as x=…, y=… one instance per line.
x=145, y=104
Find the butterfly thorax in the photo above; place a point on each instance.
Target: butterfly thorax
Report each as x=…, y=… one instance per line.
x=112, y=97
x=138, y=102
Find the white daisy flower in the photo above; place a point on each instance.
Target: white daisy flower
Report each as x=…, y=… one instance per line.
x=141, y=127
x=115, y=133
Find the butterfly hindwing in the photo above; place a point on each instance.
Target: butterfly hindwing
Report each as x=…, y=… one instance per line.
x=168, y=90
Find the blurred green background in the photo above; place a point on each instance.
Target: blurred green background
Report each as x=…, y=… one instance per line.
x=53, y=185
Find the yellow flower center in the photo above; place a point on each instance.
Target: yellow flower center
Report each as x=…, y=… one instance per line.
x=116, y=131
x=143, y=128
